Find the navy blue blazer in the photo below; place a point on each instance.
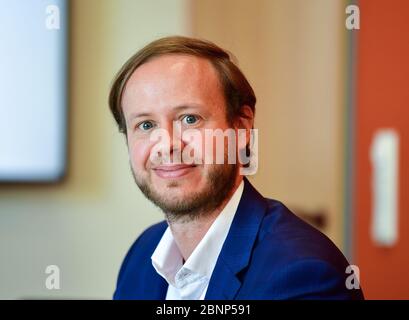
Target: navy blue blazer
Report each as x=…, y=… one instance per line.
x=269, y=253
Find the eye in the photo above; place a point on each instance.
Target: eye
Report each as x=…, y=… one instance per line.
x=190, y=119
x=146, y=125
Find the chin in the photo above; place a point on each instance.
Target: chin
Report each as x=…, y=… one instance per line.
x=179, y=188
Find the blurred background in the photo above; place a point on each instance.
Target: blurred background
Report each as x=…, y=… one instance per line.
x=332, y=115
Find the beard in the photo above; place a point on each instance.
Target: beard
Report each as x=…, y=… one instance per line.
x=219, y=182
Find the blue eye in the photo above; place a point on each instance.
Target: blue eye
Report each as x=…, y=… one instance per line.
x=190, y=119
x=146, y=125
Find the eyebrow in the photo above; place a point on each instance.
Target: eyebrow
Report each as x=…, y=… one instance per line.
x=176, y=109
x=139, y=115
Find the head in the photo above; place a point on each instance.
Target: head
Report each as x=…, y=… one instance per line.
x=196, y=85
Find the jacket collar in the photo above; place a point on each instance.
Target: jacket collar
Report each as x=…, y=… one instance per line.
x=237, y=248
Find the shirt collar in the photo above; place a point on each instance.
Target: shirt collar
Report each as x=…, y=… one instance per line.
x=167, y=259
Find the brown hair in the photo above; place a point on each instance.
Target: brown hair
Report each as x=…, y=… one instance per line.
x=237, y=90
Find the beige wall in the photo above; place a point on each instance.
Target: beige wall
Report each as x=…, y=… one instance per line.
x=86, y=224
x=292, y=53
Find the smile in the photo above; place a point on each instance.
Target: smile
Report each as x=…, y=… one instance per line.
x=173, y=171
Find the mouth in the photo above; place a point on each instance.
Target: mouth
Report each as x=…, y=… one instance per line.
x=173, y=171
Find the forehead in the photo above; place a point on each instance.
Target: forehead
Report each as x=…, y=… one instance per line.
x=172, y=78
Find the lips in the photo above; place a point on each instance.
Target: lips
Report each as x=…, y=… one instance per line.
x=173, y=171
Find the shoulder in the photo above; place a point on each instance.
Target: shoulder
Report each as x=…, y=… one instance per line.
x=146, y=243
x=152, y=234
x=293, y=260
x=143, y=247
x=294, y=239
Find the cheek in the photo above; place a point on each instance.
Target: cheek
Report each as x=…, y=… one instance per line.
x=139, y=151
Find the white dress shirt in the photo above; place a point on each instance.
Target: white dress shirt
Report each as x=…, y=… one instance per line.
x=191, y=279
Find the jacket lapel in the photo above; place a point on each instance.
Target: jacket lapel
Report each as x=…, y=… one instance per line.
x=236, y=251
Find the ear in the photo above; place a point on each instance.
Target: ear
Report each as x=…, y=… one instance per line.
x=245, y=120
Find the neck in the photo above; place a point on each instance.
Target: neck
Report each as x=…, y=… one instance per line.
x=188, y=233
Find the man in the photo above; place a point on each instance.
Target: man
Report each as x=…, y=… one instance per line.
x=221, y=239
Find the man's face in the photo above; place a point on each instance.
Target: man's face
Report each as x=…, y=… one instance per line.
x=176, y=88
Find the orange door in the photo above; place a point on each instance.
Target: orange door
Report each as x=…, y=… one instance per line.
x=382, y=102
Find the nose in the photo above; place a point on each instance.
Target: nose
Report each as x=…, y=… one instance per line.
x=175, y=133
x=168, y=147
